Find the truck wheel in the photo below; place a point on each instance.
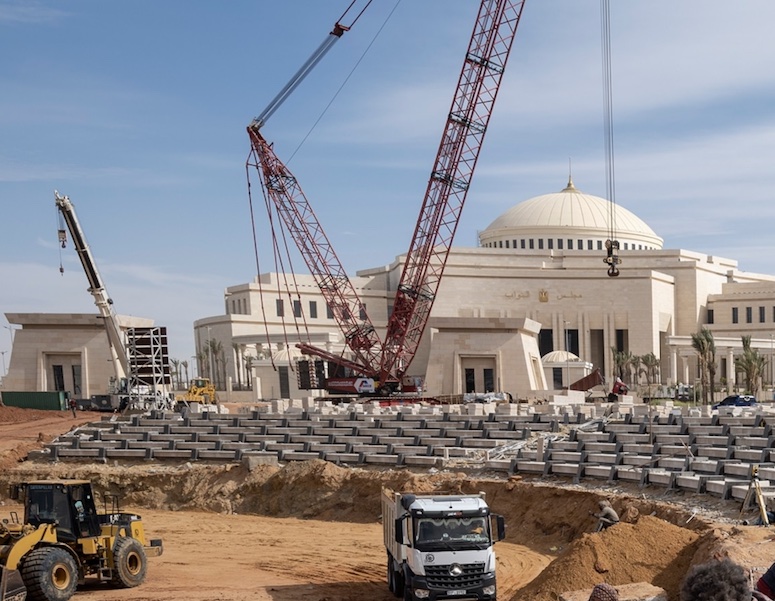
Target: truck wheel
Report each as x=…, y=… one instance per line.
x=50, y=574
x=391, y=576
x=129, y=563
x=398, y=577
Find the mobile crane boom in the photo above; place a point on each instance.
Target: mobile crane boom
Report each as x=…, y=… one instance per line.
x=467, y=121
x=96, y=287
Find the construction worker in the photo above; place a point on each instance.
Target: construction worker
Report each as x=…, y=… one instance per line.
x=73, y=406
x=606, y=517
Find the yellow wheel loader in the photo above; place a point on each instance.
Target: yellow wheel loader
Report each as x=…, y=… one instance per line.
x=201, y=390
x=62, y=540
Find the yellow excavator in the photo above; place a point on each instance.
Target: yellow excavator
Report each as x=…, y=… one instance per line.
x=201, y=390
x=63, y=539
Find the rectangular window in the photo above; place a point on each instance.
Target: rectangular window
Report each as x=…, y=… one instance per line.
x=77, y=381
x=531, y=244
x=761, y=314
x=522, y=245
x=313, y=309
x=514, y=243
x=589, y=245
x=489, y=379
x=580, y=244
x=734, y=315
x=710, y=316
x=280, y=307
x=540, y=244
x=559, y=243
x=500, y=243
x=59, y=377
x=297, y=308
x=550, y=243
x=507, y=243
x=749, y=315
x=470, y=381
x=362, y=312
x=570, y=244
x=329, y=311
x=599, y=245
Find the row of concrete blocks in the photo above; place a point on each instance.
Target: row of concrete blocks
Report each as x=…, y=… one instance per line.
x=615, y=453
x=724, y=486
x=398, y=458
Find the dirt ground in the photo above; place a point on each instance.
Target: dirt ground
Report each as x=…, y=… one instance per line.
x=311, y=531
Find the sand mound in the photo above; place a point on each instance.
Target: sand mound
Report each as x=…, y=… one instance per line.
x=622, y=554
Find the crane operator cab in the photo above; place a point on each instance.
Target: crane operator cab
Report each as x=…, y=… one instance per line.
x=70, y=506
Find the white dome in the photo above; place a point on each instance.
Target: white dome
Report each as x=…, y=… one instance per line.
x=569, y=214
x=559, y=357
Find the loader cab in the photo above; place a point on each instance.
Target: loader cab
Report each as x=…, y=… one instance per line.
x=69, y=504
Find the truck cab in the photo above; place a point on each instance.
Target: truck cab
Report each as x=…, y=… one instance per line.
x=442, y=547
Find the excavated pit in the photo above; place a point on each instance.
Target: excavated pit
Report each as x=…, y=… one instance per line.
x=656, y=542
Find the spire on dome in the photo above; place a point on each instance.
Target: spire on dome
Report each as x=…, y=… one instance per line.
x=570, y=187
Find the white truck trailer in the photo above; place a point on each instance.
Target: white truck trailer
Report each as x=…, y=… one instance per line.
x=440, y=546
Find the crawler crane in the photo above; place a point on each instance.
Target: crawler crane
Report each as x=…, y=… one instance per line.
x=385, y=361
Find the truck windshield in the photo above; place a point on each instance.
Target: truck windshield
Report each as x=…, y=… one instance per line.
x=457, y=532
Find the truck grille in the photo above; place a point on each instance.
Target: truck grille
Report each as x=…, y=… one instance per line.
x=439, y=576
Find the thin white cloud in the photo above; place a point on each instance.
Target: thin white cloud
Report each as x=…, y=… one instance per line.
x=30, y=12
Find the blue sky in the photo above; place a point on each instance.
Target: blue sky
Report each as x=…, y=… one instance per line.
x=137, y=111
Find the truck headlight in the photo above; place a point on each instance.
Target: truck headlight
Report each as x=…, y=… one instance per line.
x=489, y=590
x=422, y=593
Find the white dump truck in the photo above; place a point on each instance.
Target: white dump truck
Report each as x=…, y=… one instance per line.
x=440, y=546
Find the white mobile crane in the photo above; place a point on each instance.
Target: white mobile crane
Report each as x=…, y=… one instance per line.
x=133, y=382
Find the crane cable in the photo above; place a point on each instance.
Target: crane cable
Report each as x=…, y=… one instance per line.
x=349, y=75
x=612, y=244
x=255, y=163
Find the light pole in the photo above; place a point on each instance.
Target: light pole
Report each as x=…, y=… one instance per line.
x=567, y=355
x=5, y=373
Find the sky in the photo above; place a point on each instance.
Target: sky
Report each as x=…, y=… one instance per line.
x=137, y=111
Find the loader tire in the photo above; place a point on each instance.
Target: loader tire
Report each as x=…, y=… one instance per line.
x=50, y=574
x=129, y=563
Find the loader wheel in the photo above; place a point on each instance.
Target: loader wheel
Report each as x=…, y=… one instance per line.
x=50, y=574
x=129, y=563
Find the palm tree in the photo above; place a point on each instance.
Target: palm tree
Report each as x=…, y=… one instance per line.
x=751, y=363
x=631, y=363
x=176, y=372
x=238, y=349
x=650, y=369
x=620, y=361
x=705, y=346
x=214, y=349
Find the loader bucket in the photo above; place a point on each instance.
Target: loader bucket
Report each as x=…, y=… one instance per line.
x=11, y=585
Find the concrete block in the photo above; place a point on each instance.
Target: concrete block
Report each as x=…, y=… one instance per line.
x=530, y=466
x=381, y=459
x=603, y=472
x=423, y=460
x=252, y=459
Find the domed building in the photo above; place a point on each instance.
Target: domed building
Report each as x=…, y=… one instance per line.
x=530, y=310
x=570, y=220
x=537, y=283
